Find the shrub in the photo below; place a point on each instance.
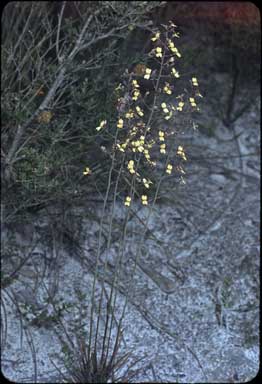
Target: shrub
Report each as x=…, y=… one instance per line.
x=59, y=66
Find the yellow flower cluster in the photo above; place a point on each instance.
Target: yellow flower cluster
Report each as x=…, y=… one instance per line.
x=138, y=145
x=180, y=152
x=101, y=125
x=122, y=146
x=169, y=169
x=135, y=139
x=87, y=171
x=167, y=89
x=120, y=123
x=129, y=114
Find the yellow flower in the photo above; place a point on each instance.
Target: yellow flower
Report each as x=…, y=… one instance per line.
x=144, y=199
x=162, y=148
x=135, y=84
x=129, y=114
x=135, y=94
x=169, y=116
x=156, y=37
x=148, y=73
x=139, y=111
x=177, y=53
x=128, y=201
x=146, y=153
x=130, y=166
x=87, y=171
x=164, y=107
x=101, y=125
x=133, y=131
x=170, y=44
x=167, y=89
x=122, y=147
x=172, y=48
x=180, y=152
x=169, y=169
x=159, y=52
x=120, y=123
x=175, y=73
x=194, y=81
x=147, y=182
x=180, y=106
x=161, y=135
x=192, y=101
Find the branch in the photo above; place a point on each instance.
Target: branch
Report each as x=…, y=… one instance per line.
x=58, y=32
